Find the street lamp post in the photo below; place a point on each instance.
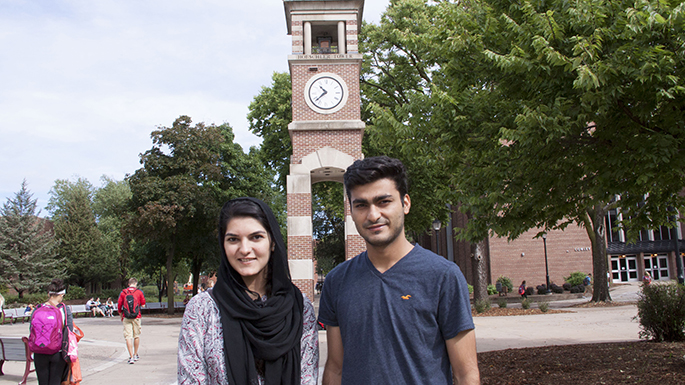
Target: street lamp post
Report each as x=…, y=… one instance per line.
x=436, y=226
x=544, y=241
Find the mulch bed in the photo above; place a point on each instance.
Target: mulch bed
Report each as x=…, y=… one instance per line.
x=605, y=363
x=643, y=362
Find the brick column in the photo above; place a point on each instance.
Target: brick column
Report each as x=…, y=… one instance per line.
x=300, y=248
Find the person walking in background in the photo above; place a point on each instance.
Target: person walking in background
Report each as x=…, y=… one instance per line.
x=647, y=278
x=45, y=336
x=587, y=282
x=396, y=313
x=254, y=326
x=522, y=290
x=131, y=300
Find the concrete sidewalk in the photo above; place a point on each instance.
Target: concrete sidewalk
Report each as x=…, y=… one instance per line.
x=103, y=352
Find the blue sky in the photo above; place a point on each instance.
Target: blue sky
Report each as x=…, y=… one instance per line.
x=83, y=83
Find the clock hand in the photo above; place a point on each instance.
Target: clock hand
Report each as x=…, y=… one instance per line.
x=320, y=96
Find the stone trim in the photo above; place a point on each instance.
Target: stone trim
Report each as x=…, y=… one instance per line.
x=300, y=226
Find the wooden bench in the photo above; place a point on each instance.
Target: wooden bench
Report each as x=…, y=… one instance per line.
x=14, y=314
x=16, y=349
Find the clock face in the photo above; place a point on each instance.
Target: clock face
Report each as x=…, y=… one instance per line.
x=325, y=93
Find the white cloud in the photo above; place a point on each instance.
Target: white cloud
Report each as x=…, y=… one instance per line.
x=83, y=83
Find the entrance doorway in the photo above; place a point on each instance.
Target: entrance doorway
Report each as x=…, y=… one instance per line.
x=657, y=266
x=624, y=268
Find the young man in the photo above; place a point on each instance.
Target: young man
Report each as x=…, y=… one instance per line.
x=397, y=313
x=132, y=326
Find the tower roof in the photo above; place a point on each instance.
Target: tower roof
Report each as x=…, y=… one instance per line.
x=324, y=6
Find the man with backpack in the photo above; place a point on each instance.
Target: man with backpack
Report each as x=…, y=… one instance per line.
x=131, y=300
x=587, y=282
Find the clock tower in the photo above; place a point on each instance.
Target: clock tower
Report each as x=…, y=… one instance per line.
x=326, y=130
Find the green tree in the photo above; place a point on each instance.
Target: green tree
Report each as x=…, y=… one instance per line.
x=176, y=184
x=329, y=225
x=543, y=113
x=82, y=244
x=111, y=207
x=186, y=177
x=28, y=258
x=269, y=116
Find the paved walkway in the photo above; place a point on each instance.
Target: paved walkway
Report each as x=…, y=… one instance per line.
x=103, y=353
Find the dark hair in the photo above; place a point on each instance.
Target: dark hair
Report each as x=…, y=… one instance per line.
x=240, y=208
x=56, y=286
x=244, y=208
x=371, y=169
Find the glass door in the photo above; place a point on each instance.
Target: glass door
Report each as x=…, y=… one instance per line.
x=624, y=268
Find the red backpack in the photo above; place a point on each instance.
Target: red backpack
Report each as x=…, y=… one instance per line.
x=131, y=306
x=521, y=290
x=47, y=327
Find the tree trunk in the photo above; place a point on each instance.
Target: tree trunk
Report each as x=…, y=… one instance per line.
x=170, y=276
x=597, y=235
x=480, y=280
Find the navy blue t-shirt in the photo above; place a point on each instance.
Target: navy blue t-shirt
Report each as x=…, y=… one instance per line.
x=394, y=325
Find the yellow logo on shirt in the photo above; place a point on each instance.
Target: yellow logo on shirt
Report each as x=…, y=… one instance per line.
x=406, y=296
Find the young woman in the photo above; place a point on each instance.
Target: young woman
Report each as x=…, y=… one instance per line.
x=254, y=326
x=51, y=368
x=109, y=306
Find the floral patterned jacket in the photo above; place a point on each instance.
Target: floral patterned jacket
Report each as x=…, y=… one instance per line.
x=201, y=344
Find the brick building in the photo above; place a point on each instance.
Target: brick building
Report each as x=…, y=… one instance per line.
x=567, y=251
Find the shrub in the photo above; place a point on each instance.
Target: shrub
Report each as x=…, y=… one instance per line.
x=544, y=306
x=470, y=288
x=576, y=278
x=542, y=289
x=110, y=293
x=578, y=289
x=505, y=281
x=492, y=289
x=661, y=312
x=150, y=291
x=482, y=305
x=502, y=302
x=525, y=303
x=75, y=292
x=530, y=291
x=556, y=288
x=13, y=301
x=566, y=286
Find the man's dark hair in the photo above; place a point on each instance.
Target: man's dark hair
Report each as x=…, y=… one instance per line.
x=371, y=169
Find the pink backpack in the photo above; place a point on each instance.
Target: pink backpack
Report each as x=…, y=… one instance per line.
x=46, y=330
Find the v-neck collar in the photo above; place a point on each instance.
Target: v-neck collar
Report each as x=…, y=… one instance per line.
x=375, y=271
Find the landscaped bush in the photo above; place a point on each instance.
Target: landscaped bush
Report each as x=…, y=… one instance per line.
x=530, y=291
x=543, y=306
x=482, y=305
x=492, y=289
x=502, y=302
x=661, y=312
x=577, y=289
x=566, y=286
x=542, y=289
x=525, y=303
x=505, y=281
x=470, y=288
x=556, y=288
x=576, y=278
x=150, y=291
x=75, y=292
x=13, y=301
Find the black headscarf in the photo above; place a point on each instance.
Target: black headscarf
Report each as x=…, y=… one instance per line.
x=271, y=332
